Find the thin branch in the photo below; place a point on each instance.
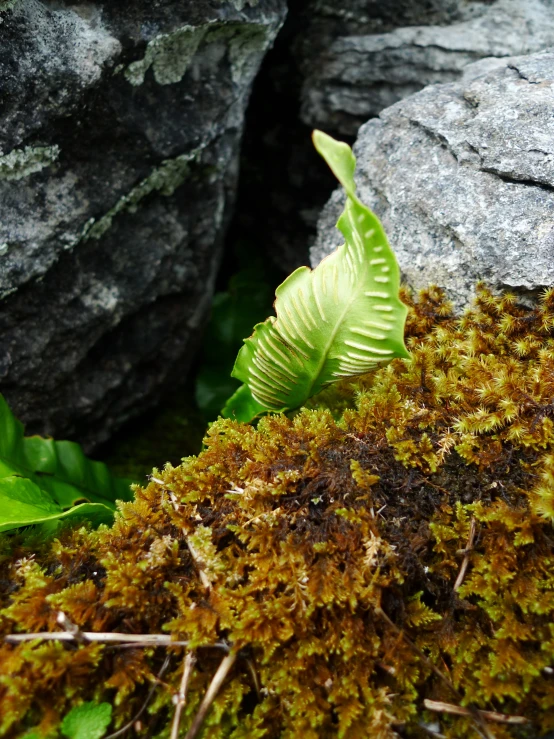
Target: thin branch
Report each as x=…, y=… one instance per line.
x=205, y=580
x=431, y=732
x=211, y=694
x=466, y=552
x=136, y=640
x=434, y=668
x=180, y=699
x=502, y=718
x=475, y=715
x=254, y=675
x=146, y=701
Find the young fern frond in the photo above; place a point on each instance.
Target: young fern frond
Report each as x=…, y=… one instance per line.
x=340, y=320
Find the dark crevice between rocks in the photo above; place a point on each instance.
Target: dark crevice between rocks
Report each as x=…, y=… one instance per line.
x=283, y=182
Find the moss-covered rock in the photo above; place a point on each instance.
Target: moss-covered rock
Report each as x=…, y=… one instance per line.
x=389, y=546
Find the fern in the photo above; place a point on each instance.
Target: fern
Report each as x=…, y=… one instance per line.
x=340, y=320
x=45, y=480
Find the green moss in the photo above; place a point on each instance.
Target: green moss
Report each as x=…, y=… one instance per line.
x=21, y=163
x=390, y=545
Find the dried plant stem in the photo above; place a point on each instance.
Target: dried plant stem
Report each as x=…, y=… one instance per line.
x=205, y=580
x=254, y=675
x=180, y=698
x=136, y=640
x=429, y=731
x=144, y=706
x=480, y=727
x=211, y=693
x=402, y=635
x=503, y=718
x=467, y=552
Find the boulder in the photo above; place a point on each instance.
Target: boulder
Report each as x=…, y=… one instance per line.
x=334, y=66
x=462, y=176
x=371, y=55
x=120, y=127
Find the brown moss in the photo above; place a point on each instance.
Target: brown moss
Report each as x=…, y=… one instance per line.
x=333, y=541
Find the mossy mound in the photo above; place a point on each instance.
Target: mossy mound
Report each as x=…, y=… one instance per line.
x=391, y=545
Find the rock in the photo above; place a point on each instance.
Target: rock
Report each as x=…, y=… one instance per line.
x=462, y=176
x=356, y=72
x=334, y=66
x=119, y=136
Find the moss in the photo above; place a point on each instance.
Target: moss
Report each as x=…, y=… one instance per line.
x=21, y=163
x=390, y=545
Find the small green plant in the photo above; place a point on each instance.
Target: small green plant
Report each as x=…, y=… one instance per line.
x=87, y=721
x=340, y=320
x=246, y=301
x=44, y=481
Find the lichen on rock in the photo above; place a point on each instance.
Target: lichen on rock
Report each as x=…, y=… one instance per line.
x=164, y=179
x=6, y=5
x=169, y=55
x=387, y=546
x=23, y=162
x=107, y=354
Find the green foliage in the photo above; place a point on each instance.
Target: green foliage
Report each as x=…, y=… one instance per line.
x=87, y=721
x=340, y=320
x=43, y=480
x=334, y=547
x=234, y=312
x=167, y=434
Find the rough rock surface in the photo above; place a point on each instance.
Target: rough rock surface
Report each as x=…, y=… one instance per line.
x=119, y=133
x=370, y=55
x=462, y=176
x=335, y=65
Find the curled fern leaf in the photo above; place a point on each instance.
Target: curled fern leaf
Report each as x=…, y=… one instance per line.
x=342, y=319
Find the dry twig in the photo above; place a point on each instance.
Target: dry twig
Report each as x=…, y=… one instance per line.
x=479, y=724
x=502, y=718
x=466, y=552
x=211, y=693
x=206, y=582
x=146, y=701
x=135, y=640
x=180, y=698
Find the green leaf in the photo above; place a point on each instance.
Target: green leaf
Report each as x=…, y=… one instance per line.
x=340, y=320
x=87, y=721
x=243, y=406
x=23, y=503
x=247, y=300
x=58, y=467
x=43, y=480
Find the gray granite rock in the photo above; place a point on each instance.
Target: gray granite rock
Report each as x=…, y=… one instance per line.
x=335, y=65
x=120, y=125
x=462, y=176
x=369, y=55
